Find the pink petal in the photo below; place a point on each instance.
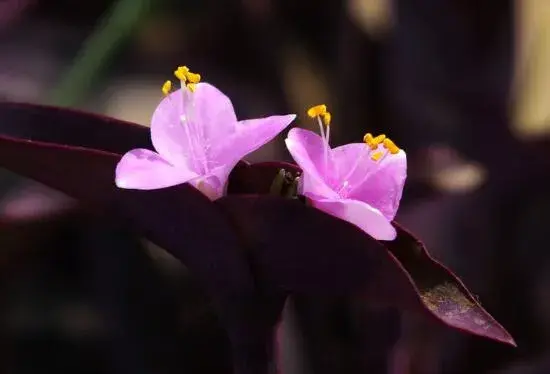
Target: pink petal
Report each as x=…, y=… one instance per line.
x=209, y=187
x=362, y=215
x=384, y=187
x=306, y=148
x=353, y=162
x=211, y=119
x=214, y=112
x=167, y=132
x=250, y=135
x=143, y=169
x=213, y=185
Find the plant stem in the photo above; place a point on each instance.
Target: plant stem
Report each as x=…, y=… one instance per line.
x=114, y=28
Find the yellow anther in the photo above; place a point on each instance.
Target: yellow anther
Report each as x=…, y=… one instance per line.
x=370, y=141
x=368, y=138
x=379, y=139
x=376, y=156
x=192, y=86
x=390, y=146
x=166, y=87
x=192, y=77
x=181, y=73
x=317, y=110
x=375, y=142
x=327, y=118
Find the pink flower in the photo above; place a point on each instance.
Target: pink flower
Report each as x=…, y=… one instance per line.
x=197, y=138
x=361, y=183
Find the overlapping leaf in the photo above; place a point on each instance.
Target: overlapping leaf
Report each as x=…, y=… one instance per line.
x=290, y=246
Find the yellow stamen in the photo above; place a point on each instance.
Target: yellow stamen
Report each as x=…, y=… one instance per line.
x=379, y=139
x=166, y=87
x=192, y=77
x=317, y=110
x=367, y=139
x=181, y=73
x=376, y=156
x=375, y=142
x=390, y=146
x=326, y=118
x=187, y=78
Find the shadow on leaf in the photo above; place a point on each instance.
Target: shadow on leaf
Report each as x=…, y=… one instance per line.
x=300, y=249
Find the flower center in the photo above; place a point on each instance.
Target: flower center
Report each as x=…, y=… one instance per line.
x=377, y=148
x=193, y=130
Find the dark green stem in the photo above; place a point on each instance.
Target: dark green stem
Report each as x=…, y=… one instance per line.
x=285, y=184
x=114, y=28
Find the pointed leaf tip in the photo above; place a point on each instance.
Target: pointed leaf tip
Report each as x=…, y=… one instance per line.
x=300, y=249
x=441, y=293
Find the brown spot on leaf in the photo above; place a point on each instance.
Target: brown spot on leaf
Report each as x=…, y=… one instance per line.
x=441, y=295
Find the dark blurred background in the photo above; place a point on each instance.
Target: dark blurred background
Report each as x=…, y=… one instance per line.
x=463, y=86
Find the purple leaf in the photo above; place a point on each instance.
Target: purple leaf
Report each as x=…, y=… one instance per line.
x=71, y=127
x=297, y=248
x=292, y=247
x=32, y=203
x=76, y=153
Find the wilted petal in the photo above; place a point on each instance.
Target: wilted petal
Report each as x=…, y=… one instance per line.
x=143, y=169
x=362, y=215
x=306, y=148
x=383, y=188
x=250, y=135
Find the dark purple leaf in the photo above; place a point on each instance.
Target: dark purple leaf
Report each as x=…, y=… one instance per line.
x=300, y=249
x=71, y=127
x=76, y=153
x=35, y=202
x=291, y=247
